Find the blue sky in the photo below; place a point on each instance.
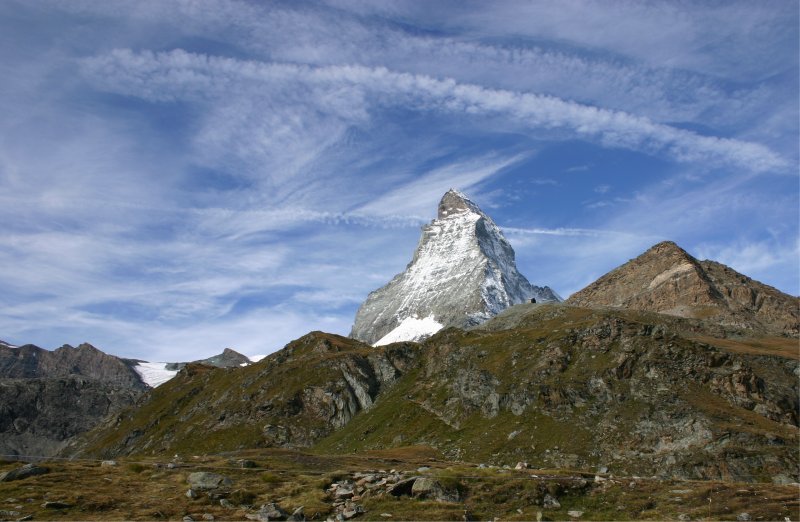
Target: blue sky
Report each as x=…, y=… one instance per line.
x=180, y=177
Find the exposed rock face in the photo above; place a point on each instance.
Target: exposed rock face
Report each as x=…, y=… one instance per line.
x=462, y=273
x=48, y=397
x=39, y=416
x=29, y=361
x=668, y=280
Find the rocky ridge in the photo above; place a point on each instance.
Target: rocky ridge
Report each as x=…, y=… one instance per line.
x=634, y=392
x=666, y=279
x=463, y=273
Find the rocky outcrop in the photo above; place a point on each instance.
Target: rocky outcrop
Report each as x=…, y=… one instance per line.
x=463, y=272
x=666, y=279
x=39, y=416
x=229, y=358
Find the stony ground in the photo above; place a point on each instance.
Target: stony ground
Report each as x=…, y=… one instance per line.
x=400, y=484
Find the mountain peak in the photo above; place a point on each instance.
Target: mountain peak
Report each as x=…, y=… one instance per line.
x=668, y=280
x=454, y=202
x=463, y=273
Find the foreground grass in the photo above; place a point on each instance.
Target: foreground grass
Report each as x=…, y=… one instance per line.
x=146, y=489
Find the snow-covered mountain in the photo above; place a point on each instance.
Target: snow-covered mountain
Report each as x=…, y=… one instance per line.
x=462, y=274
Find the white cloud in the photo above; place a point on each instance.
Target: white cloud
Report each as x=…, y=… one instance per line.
x=181, y=75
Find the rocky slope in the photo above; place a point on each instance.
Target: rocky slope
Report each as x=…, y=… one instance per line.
x=666, y=279
x=463, y=272
x=553, y=385
x=314, y=386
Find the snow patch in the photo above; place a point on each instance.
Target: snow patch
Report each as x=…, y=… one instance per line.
x=154, y=374
x=411, y=329
x=7, y=345
x=255, y=358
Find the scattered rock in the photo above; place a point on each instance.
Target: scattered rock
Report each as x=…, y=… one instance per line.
x=171, y=465
x=204, y=480
x=25, y=518
x=208, y=516
x=521, y=465
x=108, y=463
x=423, y=469
x=4, y=513
x=224, y=502
x=575, y=514
x=28, y=470
x=192, y=493
x=550, y=502
x=602, y=469
x=188, y=518
x=55, y=504
x=684, y=517
x=743, y=516
x=352, y=510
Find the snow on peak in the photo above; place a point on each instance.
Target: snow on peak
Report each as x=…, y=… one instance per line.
x=8, y=345
x=463, y=272
x=411, y=329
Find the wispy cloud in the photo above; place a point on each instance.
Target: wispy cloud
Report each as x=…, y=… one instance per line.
x=180, y=75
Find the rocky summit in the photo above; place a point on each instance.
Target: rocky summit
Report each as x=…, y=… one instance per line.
x=463, y=273
x=666, y=279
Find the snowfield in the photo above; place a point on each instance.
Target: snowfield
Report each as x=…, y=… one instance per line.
x=154, y=374
x=411, y=329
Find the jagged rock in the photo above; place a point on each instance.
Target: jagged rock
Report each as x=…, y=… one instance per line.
x=204, y=480
x=463, y=272
x=23, y=472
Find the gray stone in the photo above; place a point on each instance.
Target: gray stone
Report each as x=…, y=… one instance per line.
x=224, y=502
x=208, y=516
x=28, y=470
x=550, y=502
x=575, y=514
x=4, y=513
x=188, y=518
x=426, y=487
x=192, y=493
x=203, y=480
x=402, y=487
x=743, y=517
x=271, y=511
x=108, y=463
x=684, y=517
x=352, y=510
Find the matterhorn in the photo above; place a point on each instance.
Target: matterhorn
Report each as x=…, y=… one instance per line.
x=462, y=274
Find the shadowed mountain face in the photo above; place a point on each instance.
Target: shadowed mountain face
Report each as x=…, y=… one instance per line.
x=668, y=280
x=463, y=273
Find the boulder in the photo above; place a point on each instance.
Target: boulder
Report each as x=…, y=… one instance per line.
x=426, y=487
x=28, y=470
x=203, y=480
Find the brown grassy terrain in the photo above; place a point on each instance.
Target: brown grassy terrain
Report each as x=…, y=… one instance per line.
x=145, y=489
